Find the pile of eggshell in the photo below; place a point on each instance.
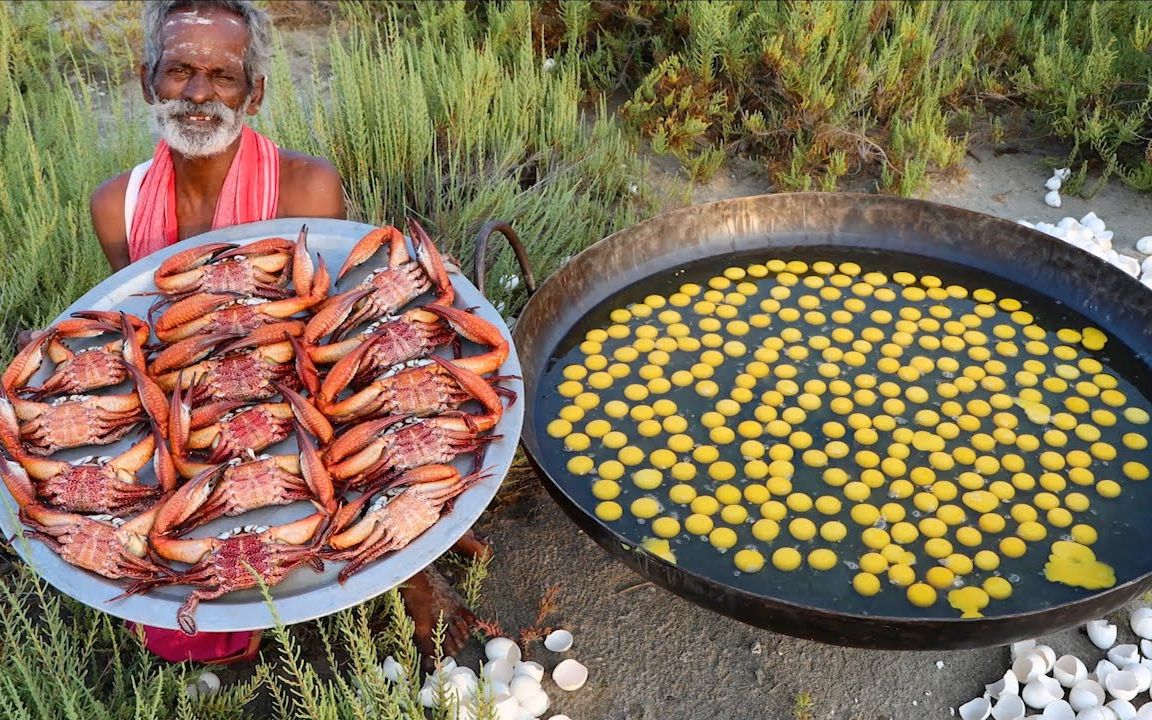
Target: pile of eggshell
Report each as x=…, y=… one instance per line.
x=1062, y=688
x=507, y=683
x=1090, y=234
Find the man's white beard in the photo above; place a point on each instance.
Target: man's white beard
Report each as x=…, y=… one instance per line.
x=188, y=137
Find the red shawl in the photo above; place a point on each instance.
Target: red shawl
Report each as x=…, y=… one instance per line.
x=250, y=193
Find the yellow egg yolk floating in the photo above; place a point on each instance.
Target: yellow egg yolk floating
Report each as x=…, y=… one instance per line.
x=798, y=417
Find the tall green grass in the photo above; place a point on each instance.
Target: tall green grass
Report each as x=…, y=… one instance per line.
x=891, y=88
x=434, y=123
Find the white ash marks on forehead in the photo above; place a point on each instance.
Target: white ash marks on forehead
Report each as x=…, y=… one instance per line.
x=199, y=53
x=192, y=16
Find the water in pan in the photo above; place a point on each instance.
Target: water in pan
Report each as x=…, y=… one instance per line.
x=1001, y=390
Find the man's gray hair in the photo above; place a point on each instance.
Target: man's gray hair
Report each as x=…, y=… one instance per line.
x=256, y=55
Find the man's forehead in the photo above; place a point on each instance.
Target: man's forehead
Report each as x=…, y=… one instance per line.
x=203, y=35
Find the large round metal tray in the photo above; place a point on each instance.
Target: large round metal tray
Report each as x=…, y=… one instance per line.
x=1100, y=292
x=305, y=594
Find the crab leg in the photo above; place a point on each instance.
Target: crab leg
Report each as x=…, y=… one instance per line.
x=26, y=362
x=433, y=264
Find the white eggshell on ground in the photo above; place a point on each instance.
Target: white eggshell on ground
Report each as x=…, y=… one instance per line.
x=209, y=682
x=1007, y=684
x=1009, y=707
x=1096, y=713
x=1140, y=615
x=523, y=686
x=976, y=709
x=507, y=708
x=1101, y=632
x=1144, y=244
x=192, y=690
x=1092, y=221
x=1124, y=655
x=570, y=675
x=1069, y=670
x=1053, y=183
x=1062, y=173
x=536, y=704
x=558, y=641
x=1143, y=675
x=1059, y=710
x=1052, y=199
x=427, y=697
x=500, y=671
x=1042, y=691
x=1047, y=654
x=1122, y=709
x=392, y=669
x=1086, y=694
x=1145, y=712
x=1128, y=264
x=1027, y=668
x=533, y=670
x=559, y=717
x=1123, y=685
x=499, y=648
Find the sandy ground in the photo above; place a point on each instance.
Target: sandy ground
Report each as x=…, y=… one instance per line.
x=654, y=656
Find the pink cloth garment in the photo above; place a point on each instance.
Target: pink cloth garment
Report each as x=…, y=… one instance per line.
x=250, y=194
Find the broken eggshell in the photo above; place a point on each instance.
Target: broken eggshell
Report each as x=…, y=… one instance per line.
x=1042, y=691
x=570, y=675
x=1028, y=667
x=1123, y=685
x=1124, y=655
x=1144, y=245
x=1122, y=709
x=1069, y=670
x=976, y=709
x=1101, y=632
x=1096, y=713
x=500, y=648
x=558, y=641
x=1021, y=648
x=1009, y=707
x=1047, y=656
x=1052, y=199
x=1059, y=710
x=1141, y=622
x=533, y=670
x=1086, y=694
x=1008, y=684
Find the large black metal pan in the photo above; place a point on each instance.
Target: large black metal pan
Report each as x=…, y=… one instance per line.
x=1100, y=292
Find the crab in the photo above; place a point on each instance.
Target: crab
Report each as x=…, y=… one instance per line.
x=418, y=387
x=235, y=560
x=107, y=545
x=244, y=369
x=76, y=371
x=208, y=313
x=254, y=481
x=229, y=429
x=376, y=524
x=415, y=334
x=253, y=269
x=98, y=484
x=387, y=288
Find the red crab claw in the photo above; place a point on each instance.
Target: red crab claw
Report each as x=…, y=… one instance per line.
x=9, y=425
x=480, y=389
x=208, y=413
x=179, y=421
x=311, y=418
x=345, y=370
x=305, y=369
x=479, y=331
x=370, y=243
x=276, y=246
x=315, y=473
x=267, y=335
x=181, y=271
x=302, y=268
x=356, y=438
x=188, y=316
x=184, y=503
x=334, y=312
x=151, y=396
x=162, y=462
x=17, y=482
x=185, y=352
x=26, y=362
x=433, y=264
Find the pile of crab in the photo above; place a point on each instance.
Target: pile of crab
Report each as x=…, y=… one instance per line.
x=252, y=348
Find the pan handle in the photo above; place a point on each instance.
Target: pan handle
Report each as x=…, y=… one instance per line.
x=480, y=253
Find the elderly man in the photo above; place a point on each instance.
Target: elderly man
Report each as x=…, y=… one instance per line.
x=203, y=71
